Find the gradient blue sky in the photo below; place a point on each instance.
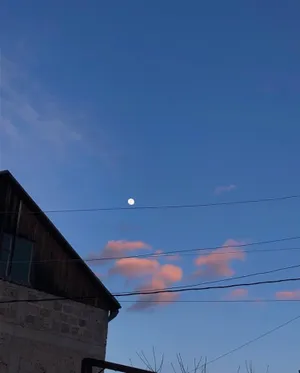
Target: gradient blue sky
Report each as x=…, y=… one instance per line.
x=163, y=101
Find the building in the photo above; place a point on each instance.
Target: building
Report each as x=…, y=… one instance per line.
x=37, y=263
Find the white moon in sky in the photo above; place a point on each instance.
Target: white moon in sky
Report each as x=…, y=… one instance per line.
x=131, y=201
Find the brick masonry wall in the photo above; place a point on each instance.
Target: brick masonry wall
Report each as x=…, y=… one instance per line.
x=48, y=337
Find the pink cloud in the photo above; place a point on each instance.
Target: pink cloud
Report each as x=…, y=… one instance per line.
x=154, y=275
x=169, y=273
x=121, y=246
x=115, y=249
x=217, y=263
x=165, y=276
x=134, y=267
x=238, y=293
x=225, y=188
x=148, y=302
x=292, y=294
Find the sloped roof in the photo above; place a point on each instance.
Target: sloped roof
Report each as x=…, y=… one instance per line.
x=114, y=304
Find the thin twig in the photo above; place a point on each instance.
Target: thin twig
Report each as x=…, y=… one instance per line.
x=161, y=364
x=144, y=361
x=149, y=365
x=154, y=358
x=204, y=366
x=198, y=365
x=174, y=370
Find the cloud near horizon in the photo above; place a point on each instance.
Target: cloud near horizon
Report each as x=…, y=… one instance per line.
x=225, y=189
x=288, y=294
x=218, y=262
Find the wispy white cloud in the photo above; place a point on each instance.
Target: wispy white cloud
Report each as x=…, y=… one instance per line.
x=225, y=188
x=36, y=129
x=26, y=123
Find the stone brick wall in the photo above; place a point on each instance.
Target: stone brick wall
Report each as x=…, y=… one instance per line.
x=48, y=337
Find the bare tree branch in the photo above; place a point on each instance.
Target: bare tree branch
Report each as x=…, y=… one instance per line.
x=144, y=361
x=154, y=358
x=144, y=356
x=249, y=367
x=174, y=370
x=152, y=367
x=198, y=366
x=180, y=363
x=161, y=363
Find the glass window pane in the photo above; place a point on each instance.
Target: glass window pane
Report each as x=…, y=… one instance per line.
x=4, y=254
x=22, y=253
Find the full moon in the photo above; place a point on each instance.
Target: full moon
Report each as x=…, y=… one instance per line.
x=131, y=201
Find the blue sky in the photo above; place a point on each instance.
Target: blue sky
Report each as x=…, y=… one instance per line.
x=165, y=102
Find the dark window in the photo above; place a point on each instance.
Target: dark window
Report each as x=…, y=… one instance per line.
x=21, y=261
x=4, y=254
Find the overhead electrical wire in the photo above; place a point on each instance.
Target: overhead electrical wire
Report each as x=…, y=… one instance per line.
x=181, y=252
x=261, y=336
x=234, y=301
x=208, y=249
x=161, y=207
x=266, y=282
x=242, y=301
x=184, y=252
x=227, y=278
x=219, y=287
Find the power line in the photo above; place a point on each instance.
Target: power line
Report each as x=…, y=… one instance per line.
x=169, y=291
x=206, y=250
x=284, y=249
x=226, y=279
x=241, y=277
x=181, y=252
x=246, y=251
x=159, y=291
x=215, y=301
x=51, y=299
x=191, y=286
x=254, y=340
x=162, y=207
x=247, y=284
x=172, y=252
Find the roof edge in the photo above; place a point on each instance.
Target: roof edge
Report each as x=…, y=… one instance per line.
x=60, y=236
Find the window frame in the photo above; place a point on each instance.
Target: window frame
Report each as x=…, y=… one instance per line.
x=2, y=249
x=10, y=261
